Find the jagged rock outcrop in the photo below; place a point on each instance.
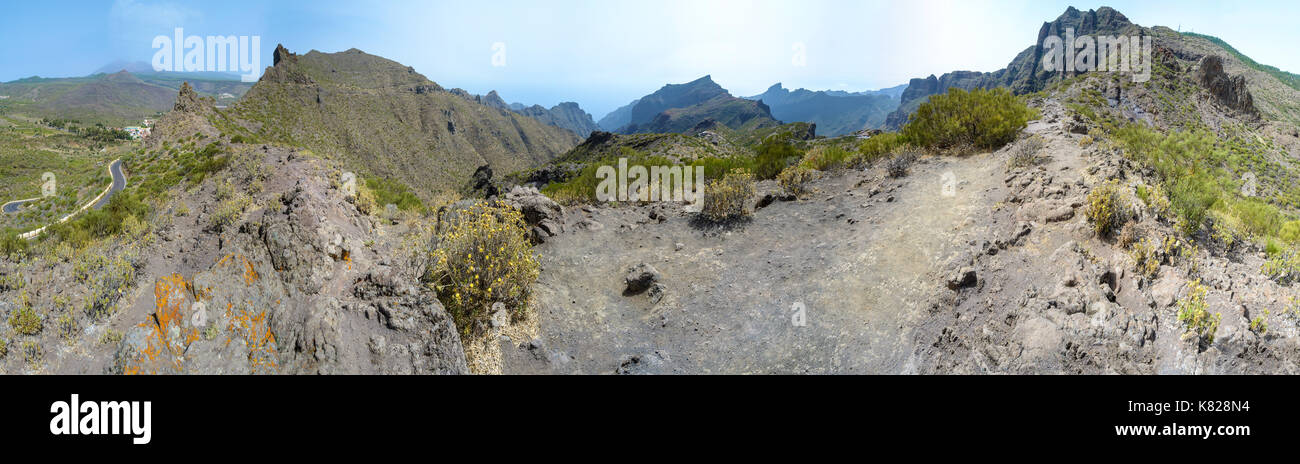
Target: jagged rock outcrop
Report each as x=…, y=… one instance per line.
x=306, y=286
x=189, y=101
x=481, y=182
x=544, y=215
x=284, y=69
x=1025, y=73
x=1228, y=90
x=493, y=100
x=567, y=115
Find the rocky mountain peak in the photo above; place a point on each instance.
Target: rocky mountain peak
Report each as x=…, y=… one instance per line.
x=122, y=76
x=1104, y=20
x=282, y=54
x=189, y=101
x=494, y=100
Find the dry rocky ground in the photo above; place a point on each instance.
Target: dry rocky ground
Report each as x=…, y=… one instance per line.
x=964, y=265
x=981, y=263
x=1000, y=273
x=298, y=282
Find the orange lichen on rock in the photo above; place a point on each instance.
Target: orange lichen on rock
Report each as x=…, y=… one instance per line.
x=250, y=274
x=255, y=329
x=168, y=338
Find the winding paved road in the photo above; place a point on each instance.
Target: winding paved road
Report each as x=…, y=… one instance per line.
x=119, y=182
x=13, y=206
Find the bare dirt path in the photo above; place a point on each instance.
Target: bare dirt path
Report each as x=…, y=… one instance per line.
x=862, y=265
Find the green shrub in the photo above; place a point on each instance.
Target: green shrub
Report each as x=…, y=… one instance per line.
x=581, y=187
x=104, y=222
x=1257, y=217
x=1272, y=247
x=1289, y=232
x=728, y=198
x=1191, y=197
x=392, y=192
x=719, y=167
x=980, y=118
x=11, y=246
x=877, y=147
x=772, y=157
x=1188, y=163
x=825, y=158
x=483, y=257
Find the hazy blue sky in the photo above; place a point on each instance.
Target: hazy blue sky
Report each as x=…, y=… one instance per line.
x=604, y=53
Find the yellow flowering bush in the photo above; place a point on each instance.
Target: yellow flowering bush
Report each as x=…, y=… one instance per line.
x=726, y=198
x=1106, y=208
x=794, y=180
x=483, y=257
x=1195, y=315
x=1146, y=255
x=25, y=320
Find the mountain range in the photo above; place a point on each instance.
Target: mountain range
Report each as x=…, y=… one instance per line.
x=121, y=97
x=1113, y=232
x=835, y=112
x=700, y=103
x=566, y=115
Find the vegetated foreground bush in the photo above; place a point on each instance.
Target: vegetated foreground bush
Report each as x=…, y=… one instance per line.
x=794, y=179
x=1025, y=153
x=980, y=118
x=727, y=198
x=483, y=257
x=107, y=221
x=10, y=245
x=876, y=148
x=1195, y=315
x=772, y=157
x=1106, y=208
x=902, y=161
x=392, y=192
x=826, y=157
